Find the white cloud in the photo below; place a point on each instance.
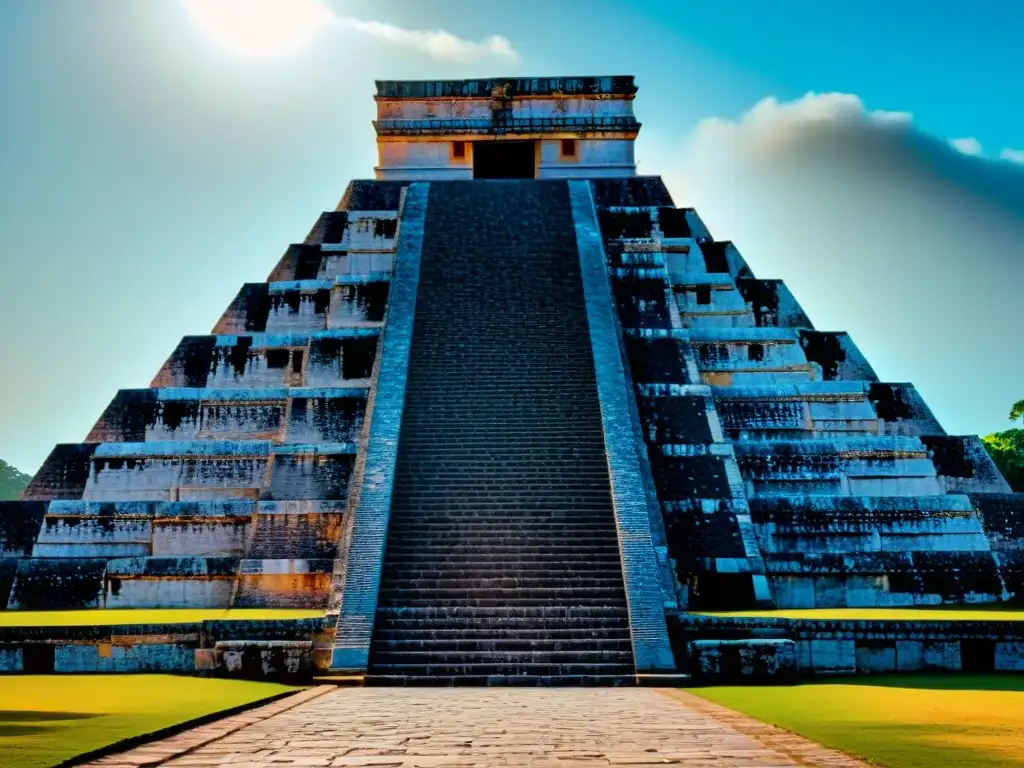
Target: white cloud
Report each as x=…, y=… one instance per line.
x=438, y=43
x=879, y=229
x=1013, y=155
x=968, y=145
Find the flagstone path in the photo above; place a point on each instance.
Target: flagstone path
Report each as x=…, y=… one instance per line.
x=328, y=727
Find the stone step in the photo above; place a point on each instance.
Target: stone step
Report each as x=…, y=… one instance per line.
x=497, y=628
x=509, y=633
x=499, y=505
x=403, y=644
x=457, y=557
x=538, y=512
x=540, y=681
x=603, y=525
x=502, y=571
x=501, y=602
x=513, y=669
x=385, y=655
x=503, y=495
x=456, y=582
x=561, y=594
x=499, y=538
x=490, y=549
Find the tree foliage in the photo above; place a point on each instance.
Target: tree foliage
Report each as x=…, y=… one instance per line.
x=1007, y=449
x=12, y=482
x=1017, y=411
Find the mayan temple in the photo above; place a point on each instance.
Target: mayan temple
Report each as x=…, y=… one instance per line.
x=506, y=415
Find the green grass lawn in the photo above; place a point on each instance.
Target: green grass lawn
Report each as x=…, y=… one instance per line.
x=98, y=617
x=45, y=719
x=951, y=613
x=899, y=721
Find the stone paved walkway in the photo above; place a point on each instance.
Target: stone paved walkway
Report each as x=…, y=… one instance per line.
x=413, y=727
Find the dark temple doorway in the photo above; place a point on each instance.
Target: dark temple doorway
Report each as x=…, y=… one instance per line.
x=504, y=160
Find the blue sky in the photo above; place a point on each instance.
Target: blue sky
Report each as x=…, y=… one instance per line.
x=148, y=172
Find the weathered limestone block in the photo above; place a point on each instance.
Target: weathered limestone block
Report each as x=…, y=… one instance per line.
x=863, y=466
x=107, y=657
x=865, y=523
x=370, y=231
x=208, y=660
x=50, y=584
x=205, y=535
x=1009, y=657
x=101, y=536
x=265, y=360
x=811, y=409
x=885, y=578
x=723, y=258
x=963, y=465
x=295, y=535
x=20, y=522
x=301, y=261
x=63, y=475
x=8, y=572
x=170, y=582
x=326, y=416
x=340, y=265
x=189, y=470
x=909, y=655
x=1002, y=515
x=180, y=414
x=311, y=472
x=771, y=304
x=833, y=656
x=706, y=301
x=942, y=655
x=746, y=356
x=725, y=661
x=284, y=583
x=358, y=300
x=876, y=656
x=11, y=660
x=630, y=191
x=248, y=312
x=300, y=305
x=835, y=357
x=265, y=658
x=902, y=410
x=793, y=591
x=681, y=419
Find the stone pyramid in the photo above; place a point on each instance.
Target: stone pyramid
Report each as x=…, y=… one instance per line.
x=507, y=411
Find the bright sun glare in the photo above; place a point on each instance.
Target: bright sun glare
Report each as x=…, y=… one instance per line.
x=261, y=27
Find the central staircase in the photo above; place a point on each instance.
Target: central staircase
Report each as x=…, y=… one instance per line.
x=502, y=561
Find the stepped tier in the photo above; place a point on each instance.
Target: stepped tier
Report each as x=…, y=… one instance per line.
x=787, y=473
x=293, y=415
x=263, y=360
x=194, y=470
x=347, y=301
x=213, y=553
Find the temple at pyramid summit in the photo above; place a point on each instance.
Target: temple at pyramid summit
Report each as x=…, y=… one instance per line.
x=509, y=415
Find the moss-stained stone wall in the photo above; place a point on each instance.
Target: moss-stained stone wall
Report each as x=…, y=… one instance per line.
x=226, y=482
